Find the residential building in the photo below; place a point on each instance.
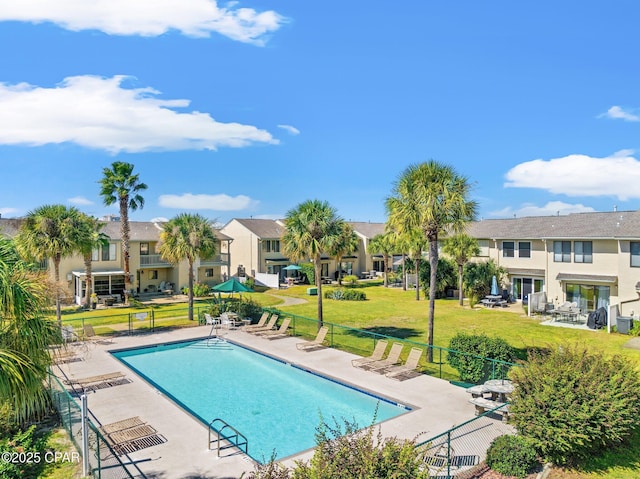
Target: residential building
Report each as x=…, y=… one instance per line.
x=149, y=272
x=590, y=258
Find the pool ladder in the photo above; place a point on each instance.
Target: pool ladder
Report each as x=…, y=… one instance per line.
x=226, y=432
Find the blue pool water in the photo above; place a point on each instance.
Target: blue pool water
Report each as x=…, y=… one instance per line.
x=276, y=405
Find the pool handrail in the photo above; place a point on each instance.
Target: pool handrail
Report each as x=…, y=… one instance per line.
x=233, y=439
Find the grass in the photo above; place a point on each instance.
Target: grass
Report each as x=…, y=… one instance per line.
x=394, y=312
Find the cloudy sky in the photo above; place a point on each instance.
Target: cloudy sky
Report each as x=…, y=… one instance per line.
x=245, y=109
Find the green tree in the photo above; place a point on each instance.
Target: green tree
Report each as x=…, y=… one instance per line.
x=345, y=244
x=187, y=237
x=477, y=279
x=383, y=244
x=432, y=198
x=414, y=243
x=90, y=238
x=461, y=248
x=120, y=185
x=50, y=232
x=25, y=334
x=312, y=228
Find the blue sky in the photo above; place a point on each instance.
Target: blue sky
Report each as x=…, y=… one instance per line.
x=245, y=109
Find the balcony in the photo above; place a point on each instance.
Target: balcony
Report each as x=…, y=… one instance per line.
x=221, y=259
x=153, y=260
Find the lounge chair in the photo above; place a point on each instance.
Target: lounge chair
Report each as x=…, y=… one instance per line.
x=268, y=327
x=392, y=359
x=96, y=379
x=261, y=322
x=60, y=357
x=281, y=332
x=121, y=425
x=88, y=334
x=377, y=355
x=406, y=370
x=316, y=343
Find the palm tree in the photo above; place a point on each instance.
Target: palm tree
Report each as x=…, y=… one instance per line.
x=90, y=239
x=50, y=231
x=187, y=236
x=461, y=248
x=383, y=244
x=415, y=243
x=24, y=335
x=345, y=244
x=311, y=228
x=432, y=198
x=120, y=185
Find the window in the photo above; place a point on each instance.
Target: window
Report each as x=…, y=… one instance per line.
x=109, y=253
x=144, y=249
x=635, y=254
x=484, y=247
x=153, y=274
x=271, y=246
x=208, y=272
x=95, y=254
x=508, y=249
x=562, y=251
x=582, y=252
x=524, y=249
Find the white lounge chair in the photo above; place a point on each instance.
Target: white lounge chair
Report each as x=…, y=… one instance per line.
x=378, y=353
x=392, y=359
x=315, y=343
x=408, y=369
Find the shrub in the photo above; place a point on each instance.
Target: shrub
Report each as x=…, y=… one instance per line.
x=250, y=282
x=345, y=295
x=199, y=290
x=246, y=308
x=350, y=280
x=468, y=353
x=512, y=456
x=574, y=403
x=23, y=442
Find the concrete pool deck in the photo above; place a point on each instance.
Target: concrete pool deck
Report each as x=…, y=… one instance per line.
x=438, y=404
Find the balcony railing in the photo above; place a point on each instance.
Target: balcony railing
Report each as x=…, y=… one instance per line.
x=221, y=259
x=153, y=260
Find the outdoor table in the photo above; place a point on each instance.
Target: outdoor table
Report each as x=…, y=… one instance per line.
x=499, y=388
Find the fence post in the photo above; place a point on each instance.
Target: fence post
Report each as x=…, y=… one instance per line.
x=153, y=321
x=440, y=361
x=85, y=435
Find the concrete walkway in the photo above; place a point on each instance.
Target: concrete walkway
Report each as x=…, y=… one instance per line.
x=438, y=405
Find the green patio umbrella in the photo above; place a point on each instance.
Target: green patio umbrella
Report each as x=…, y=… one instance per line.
x=231, y=286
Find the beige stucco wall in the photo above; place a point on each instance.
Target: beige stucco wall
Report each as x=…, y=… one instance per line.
x=243, y=249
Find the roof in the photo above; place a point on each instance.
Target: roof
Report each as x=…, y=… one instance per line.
x=597, y=225
x=138, y=230
x=368, y=230
x=265, y=229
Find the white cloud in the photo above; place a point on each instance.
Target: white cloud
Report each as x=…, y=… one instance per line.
x=220, y=202
x=617, y=113
x=290, y=129
x=99, y=113
x=193, y=18
x=8, y=211
x=617, y=175
x=551, y=208
x=80, y=200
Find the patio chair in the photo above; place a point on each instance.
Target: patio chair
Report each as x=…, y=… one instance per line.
x=281, y=332
x=268, y=327
x=121, y=425
x=260, y=324
x=378, y=353
x=392, y=359
x=210, y=320
x=101, y=378
x=88, y=334
x=315, y=343
x=68, y=334
x=408, y=369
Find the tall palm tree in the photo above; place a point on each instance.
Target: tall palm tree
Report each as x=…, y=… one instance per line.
x=187, y=237
x=24, y=334
x=345, y=244
x=461, y=248
x=415, y=243
x=119, y=184
x=312, y=228
x=432, y=198
x=50, y=231
x=91, y=238
x=383, y=244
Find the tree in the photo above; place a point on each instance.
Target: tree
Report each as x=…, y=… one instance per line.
x=120, y=185
x=312, y=228
x=383, y=244
x=414, y=243
x=461, y=248
x=187, y=237
x=90, y=238
x=345, y=244
x=477, y=279
x=50, y=231
x=432, y=198
x=24, y=334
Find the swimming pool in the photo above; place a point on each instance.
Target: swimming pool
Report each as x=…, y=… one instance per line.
x=276, y=405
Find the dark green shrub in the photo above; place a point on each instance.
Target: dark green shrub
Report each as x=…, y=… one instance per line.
x=246, y=308
x=575, y=403
x=468, y=353
x=250, y=282
x=345, y=295
x=22, y=444
x=512, y=456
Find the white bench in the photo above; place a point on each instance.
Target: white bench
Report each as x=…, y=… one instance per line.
x=477, y=391
x=483, y=404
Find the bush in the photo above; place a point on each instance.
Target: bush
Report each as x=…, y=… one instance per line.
x=512, y=456
x=250, y=282
x=199, y=290
x=468, y=353
x=574, y=403
x=345, y=295
x=26, y=443
x=350, y=280
x=246, y=308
